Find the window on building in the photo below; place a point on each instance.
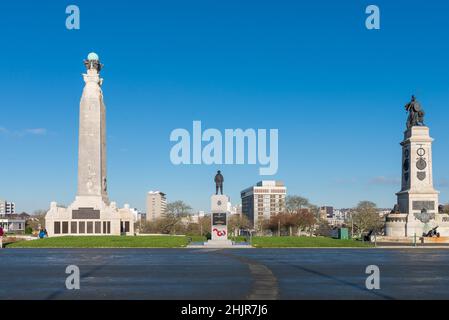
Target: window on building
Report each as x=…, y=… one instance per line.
x=82, y=227
x=73, y=227
x=57, y=227
x=97, y=226
x=65, y=227
x=90, y=227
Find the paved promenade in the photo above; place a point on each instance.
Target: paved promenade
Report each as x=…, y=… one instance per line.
x=224, y=274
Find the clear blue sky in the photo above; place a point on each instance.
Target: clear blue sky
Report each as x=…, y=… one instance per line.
x=334, y=89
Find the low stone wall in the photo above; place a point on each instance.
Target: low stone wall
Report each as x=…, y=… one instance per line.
x=395, y=239
x=429, y=240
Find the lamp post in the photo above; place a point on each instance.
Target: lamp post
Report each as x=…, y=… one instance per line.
x=279, y=227
x=352, y=225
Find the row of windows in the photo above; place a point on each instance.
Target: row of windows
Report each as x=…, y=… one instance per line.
x=11, y=225
x=90, y=227
x=282, y=191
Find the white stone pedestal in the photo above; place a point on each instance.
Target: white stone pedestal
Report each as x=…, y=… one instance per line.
x=417, y=194
x=219, y=222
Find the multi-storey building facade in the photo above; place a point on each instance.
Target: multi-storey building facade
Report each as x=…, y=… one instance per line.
x=7, y=207
x=265, y=199
x=156, y=205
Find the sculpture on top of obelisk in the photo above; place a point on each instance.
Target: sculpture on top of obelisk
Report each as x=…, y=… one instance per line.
x=415, y=113
x=92, y=181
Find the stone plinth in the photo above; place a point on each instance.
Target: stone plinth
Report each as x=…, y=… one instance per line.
x=418, y=200
x=89, y=220
x=417, y=190
x=407, y=225
x=219, y=222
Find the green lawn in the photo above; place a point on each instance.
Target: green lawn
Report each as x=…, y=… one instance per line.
x=306, y=242
x=179, y=242
x=107, y=242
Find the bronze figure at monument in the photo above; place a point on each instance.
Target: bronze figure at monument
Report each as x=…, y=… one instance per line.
x=415, y=113
x=219, y=182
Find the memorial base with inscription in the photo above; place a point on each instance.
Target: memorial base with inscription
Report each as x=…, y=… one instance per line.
x=219, y=222
x=407, y=225
x=219, y=229
x=87, y=217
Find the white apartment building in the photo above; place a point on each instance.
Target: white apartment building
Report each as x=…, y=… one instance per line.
x=263, y=200
x=7, y=207
x=156, y=205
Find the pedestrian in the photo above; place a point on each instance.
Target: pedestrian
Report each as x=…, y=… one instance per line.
x=41, y=234
x=1, y=237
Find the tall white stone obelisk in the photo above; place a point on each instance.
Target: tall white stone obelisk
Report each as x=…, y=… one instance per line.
x=91, y=213
x=92, y=181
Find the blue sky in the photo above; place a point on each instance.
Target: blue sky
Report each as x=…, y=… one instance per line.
x=334, y=89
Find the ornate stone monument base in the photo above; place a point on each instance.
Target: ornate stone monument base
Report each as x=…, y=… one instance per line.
x=403, y=225
x=88, y=217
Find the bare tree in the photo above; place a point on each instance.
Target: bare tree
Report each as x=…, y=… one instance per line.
x=324, y=229
x=304, y=220
x=237, y=222
x=37, y=219
x=172, y=218
x=295, y=203
x=366, y=218
x=205, y=225
x=178, y=208
x=446, y=208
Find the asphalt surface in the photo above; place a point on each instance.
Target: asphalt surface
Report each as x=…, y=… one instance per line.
x=224, y=274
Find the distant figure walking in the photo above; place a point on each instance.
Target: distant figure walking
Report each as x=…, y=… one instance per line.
x=42, y=234
x=1, y=237
x=219, y=182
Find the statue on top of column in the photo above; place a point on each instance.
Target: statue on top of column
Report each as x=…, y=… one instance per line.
x=415, y=113
x=93, y=62
x=219, y=182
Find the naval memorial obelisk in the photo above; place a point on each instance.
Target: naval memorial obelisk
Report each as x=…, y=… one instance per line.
x=91, y=212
